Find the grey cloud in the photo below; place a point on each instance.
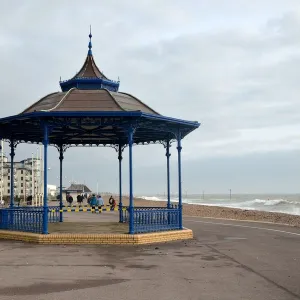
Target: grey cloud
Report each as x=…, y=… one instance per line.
x=200, y=62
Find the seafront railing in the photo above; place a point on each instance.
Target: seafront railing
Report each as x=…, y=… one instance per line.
x=153, y=219
x=19, y=219
x=28, y=219
x=53, y=214
x=145, y=219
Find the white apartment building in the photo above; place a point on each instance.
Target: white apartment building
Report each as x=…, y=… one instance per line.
x=28, y=177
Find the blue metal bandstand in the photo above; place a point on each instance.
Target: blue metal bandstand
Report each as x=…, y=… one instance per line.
x=90, y=111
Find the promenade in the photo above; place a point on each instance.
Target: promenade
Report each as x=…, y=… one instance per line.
x=227, y=260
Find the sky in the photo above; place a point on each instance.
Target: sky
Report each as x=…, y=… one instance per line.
x=233, y=66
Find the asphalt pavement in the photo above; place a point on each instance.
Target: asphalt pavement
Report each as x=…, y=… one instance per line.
x=227, y=260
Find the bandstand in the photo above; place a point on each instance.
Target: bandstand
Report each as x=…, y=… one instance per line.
x=90, y=111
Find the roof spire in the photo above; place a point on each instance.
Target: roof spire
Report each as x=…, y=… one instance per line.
x=90, y=43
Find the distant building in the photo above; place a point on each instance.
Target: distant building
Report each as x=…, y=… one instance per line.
x=51, y=189
x=28, y=179
x=75, y=189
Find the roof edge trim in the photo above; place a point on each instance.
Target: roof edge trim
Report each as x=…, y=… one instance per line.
x=61, y=100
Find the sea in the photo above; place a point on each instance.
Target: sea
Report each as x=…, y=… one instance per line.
x=285, y=203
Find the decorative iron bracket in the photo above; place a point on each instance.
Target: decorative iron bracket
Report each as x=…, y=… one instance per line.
x=13, y=145
x=116, y=147
x=62, y=149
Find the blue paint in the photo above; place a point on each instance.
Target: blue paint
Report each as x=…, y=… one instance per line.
x=45, y=213
x=131, y=217
x=54, y=214
x=137, y=114
x=120, y=184
x=179, y=148
x=61, y=157
x=168, y=174
x=12, y=176
x=153, y=219
x=89, y=83
x=90, y=43
x=28, y=219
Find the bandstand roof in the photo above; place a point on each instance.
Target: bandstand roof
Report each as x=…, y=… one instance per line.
x=90, y=69
x=91, y=111
x=89, y=100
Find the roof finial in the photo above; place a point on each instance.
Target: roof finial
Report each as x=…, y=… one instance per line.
x=90, y=43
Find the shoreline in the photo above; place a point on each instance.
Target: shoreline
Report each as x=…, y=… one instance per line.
x=219, y=212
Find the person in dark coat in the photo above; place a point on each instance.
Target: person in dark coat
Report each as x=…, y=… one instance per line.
x=79, y=199
x=112, y=202
x=69, y=199
x=29, y=200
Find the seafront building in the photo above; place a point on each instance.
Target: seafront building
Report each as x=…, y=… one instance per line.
x=28, y=178
x=75, y=189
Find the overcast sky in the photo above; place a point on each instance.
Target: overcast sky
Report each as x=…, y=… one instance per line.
x=233, y=65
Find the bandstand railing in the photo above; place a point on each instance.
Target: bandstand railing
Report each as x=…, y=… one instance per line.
x=53, y=214
x=22, y=219
x=153, y=219
x=27, y=218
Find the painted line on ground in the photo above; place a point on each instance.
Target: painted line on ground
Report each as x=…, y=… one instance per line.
x=244, y=226
x=239, y=220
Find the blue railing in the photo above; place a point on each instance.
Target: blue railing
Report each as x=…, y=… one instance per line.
x=53, y=214
x=149, y=219
x=20, y=219
x=124, y=215
x=29, y=219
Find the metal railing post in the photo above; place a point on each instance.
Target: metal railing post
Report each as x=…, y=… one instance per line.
x=179, y=148
x=131, y=210
x=61, y=157
x=120, y=185
x=168, y=173
x=45, y=206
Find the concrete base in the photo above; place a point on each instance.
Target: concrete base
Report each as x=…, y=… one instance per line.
x=96, y=238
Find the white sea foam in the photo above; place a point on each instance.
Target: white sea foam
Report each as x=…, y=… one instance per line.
x=151, y=198
x=290, y=206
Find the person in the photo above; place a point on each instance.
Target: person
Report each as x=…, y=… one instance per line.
x=89, y=199
x=79, y=199
x=69, y=199
x=29, y=200
x=94, y=202
x=100, y=201
x=112, y=202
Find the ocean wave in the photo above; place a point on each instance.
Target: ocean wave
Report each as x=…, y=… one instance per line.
x=274, y=202
x=152, y=198
x=272, y=205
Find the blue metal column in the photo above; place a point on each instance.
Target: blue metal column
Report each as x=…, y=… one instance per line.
x=61, y=157
x=120, y=185
x=168, y=174
x=131, y=217
x=179, y=179
x=45, y=213
x=12, y=154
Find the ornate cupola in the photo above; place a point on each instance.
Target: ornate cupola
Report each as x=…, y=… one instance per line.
x=90, y=77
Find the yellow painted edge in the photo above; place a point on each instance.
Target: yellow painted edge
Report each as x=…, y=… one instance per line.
x=108, y=239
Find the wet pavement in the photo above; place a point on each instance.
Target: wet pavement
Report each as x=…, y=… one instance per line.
x=227, y=260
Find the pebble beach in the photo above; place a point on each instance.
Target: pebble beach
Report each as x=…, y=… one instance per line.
x=222, y=212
